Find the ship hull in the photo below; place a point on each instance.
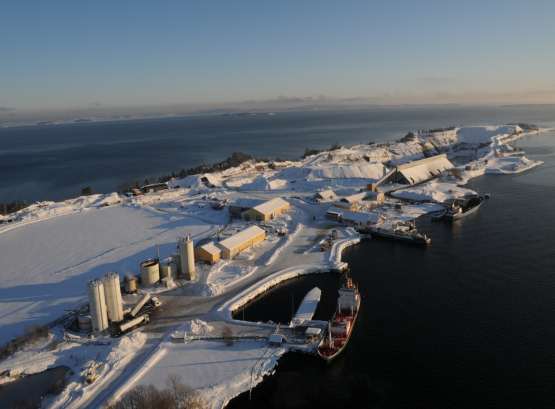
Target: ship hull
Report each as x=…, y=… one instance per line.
x=458, y=216
x=330, y=358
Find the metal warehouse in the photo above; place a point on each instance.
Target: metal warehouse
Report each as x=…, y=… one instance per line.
x=421, y=170
x=241, y=241
x=267, y=211
x=209, y=253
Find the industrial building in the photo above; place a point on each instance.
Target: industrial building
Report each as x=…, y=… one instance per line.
x=187, y=257
x=267, y=211
x=421, y=170
x=112, y=294
x=349, y=217
x=241, y=241
x=97, y=306
x=209, y=253
x=239, y=206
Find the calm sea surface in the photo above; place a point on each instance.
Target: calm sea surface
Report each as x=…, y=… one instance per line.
x=465, y=323
x=55, y=162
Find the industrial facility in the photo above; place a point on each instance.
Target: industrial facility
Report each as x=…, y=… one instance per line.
x=97, y=306
x=112, y=294
x=106, y=306
x=187, y=257
x=241, y=241
x=267, y=211
x=420, y=171
x=150, y=271
x=209, y=253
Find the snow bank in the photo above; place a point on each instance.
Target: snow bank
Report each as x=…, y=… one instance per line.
x=217, y=371
x=484, y=134
x=433, y=191
x=361, y=170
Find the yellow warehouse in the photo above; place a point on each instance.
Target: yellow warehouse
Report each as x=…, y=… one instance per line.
x=209, y=253
x=241, y=241
x=267, y=211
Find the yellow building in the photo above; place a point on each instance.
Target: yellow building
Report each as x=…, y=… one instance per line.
x=209, y=253
x=241, y=241
x=267, y=211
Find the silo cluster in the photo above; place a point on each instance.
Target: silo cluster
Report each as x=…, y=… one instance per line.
x=105, y=303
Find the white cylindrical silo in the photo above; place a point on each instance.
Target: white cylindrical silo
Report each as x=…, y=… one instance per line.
x=112, y=291
x=187, y=257
x=150, y=271
x=97, y=306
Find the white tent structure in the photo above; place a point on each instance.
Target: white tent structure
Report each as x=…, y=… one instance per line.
x=422, y=170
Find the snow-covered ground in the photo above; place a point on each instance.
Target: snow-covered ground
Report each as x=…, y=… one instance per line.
x=50, y=250
x=217, y=371
x=44, y=267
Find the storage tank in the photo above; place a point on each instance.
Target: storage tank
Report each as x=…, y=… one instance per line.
x=168, y=269
x=97, y=306
x=187, y=257
x=150, y=271
x=112, y=292
x=131, y=284
x=84, y=323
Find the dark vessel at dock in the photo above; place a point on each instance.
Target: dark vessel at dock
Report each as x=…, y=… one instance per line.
x=463, y=207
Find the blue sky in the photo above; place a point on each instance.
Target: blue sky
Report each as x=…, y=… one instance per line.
x=60, y=54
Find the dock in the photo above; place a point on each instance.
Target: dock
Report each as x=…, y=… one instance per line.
x=308, y=306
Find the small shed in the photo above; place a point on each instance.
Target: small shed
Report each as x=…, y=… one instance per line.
x=351, y=201
x=325, y=196
x=209, y=253
x=241, y=241
x=268, y=210
x=277, y=339
x=154, y=187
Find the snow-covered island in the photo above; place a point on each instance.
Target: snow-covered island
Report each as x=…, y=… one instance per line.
x=254, y=226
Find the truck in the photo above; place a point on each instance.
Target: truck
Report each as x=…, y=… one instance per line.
x=135, y=322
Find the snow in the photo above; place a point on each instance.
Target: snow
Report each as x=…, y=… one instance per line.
x=45, y=266
x=308, y=306
x=110, y=355
x=53, y=248
x=194, y=327
x=217, y=371
x=433, y=191
x=373, y=171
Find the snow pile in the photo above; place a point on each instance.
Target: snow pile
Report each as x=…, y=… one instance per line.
x=223, y=274
x=359, y=170
x=433, y=191
x=194, y=327
x=477, y=135
x=511, y=165
x=46, y=210
x=258, y=183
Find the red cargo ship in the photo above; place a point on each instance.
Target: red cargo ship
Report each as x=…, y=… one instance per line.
x=342, y=324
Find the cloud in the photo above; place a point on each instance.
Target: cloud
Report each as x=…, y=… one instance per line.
x=6, y=109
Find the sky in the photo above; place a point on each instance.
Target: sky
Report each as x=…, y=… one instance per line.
x=72, y=54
